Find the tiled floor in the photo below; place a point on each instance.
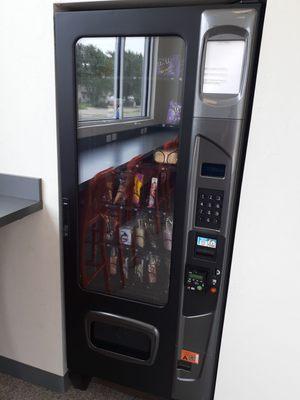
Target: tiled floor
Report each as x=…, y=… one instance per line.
x=16, y=389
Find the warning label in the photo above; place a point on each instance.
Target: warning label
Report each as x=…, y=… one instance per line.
x=189, y=356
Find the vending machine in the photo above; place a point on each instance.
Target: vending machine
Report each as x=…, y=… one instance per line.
x=153, y=104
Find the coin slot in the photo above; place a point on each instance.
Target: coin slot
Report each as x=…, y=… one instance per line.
x=184, y=365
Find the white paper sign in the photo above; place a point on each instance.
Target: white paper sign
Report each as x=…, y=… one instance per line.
x=223, y=66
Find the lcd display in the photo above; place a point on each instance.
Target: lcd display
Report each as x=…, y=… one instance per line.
x=223, y=66
x=206, y=242
x=196, y=276
x=213, y=170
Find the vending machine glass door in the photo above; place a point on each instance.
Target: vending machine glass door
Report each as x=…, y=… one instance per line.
x=129, y=102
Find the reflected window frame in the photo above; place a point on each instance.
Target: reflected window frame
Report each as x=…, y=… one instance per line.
x=146, y=90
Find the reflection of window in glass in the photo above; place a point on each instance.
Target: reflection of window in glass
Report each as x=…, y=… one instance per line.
x=112, y=78
x=96, y=88
x=134, y=77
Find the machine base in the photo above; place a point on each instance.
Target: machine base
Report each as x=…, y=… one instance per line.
x=80, y=382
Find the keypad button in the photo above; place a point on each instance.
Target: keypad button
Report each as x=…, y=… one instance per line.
x=209, y=208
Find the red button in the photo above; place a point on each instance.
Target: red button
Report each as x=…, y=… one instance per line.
x=213, y=290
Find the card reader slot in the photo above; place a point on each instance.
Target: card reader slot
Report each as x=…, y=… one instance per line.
x=205, y=252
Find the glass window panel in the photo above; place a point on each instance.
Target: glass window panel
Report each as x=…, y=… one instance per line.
x=127, y=174
x=134, y=77
x=95, y=72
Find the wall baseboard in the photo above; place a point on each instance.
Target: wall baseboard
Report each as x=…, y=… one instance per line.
x=34, y=375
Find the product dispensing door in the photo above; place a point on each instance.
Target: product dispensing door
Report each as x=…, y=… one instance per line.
x=153, y=110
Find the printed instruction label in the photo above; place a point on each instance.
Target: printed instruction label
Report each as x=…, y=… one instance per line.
x=189, y=356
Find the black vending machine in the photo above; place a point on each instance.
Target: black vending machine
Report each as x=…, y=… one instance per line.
x=154, y=103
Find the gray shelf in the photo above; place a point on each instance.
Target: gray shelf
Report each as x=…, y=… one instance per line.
x=19, y=197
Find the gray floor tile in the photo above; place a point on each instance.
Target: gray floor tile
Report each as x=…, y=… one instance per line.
x=16, y=389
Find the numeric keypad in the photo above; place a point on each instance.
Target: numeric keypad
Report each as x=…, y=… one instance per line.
x=209, y=208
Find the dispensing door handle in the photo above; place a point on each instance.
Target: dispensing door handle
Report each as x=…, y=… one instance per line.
x=112, y=328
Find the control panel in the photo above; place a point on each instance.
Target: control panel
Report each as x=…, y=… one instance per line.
x=209, y=208
x=201, y=281
x=203, y=273
x=196, y=281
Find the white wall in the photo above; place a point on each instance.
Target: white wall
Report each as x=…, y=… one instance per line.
x=260, y=356
x=30, y=275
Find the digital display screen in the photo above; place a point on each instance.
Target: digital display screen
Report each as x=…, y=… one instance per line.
x=223, y=66
x=213, y=170
x=196, y=276
x=206, y=242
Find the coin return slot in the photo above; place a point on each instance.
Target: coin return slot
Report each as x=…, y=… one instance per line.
x=184, y=365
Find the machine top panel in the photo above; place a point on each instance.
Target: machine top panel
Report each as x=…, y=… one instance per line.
x=112, y=4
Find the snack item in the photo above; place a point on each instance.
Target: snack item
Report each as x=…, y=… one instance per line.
x=108, y=194
x=152, y=268
x=139, y=269
x=167, y=233
x=113, y=261
x=169, y=156
x=150, y=225
x=174, y=113
x=126, y=267
x=140, y=233
x=126, y=235
x=110, y=223
x=138, y=183
x=169, y=66
x=153, y=192
x=124, y=182
x=163, y=177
